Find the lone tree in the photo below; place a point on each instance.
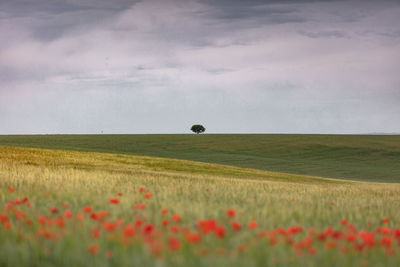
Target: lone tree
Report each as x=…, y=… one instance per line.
x=197, y=128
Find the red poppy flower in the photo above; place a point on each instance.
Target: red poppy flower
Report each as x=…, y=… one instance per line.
x=147, y=195
x=53, y=210
x=386, y=241
x=109, y=226
x=140, y=206
x=93, y=249
x=174, y=244
x=252, y=225
x=368, y=237
x=114, y=200
x=220, y=231
x=207, y=226
x=231, y=213
x=193, y=238
x=42, y=220
x=164, y=211
x=236, y=226
x=164, y=222
x=109, y=254
x=176, y=217
x=128, y=231
x=87, y=209
x=68, y=214
x=11, y=189
x=60, y=222
x=95, y=232
x=385, y=220
x=142, y=189
x=120, y=194
x=174, y=228
x=148, y=229
x=138, y=223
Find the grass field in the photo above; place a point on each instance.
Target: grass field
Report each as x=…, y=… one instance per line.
x=357, y=157
x=285, y=219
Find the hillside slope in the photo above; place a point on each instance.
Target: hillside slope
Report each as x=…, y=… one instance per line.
x=357, y=157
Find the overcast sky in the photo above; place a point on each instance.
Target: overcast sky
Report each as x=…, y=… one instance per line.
x=159, y=66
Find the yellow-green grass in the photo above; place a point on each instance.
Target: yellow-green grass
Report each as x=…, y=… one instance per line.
x=358, y=157
x=195, y=191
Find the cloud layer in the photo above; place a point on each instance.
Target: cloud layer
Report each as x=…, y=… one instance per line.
x=158, y=66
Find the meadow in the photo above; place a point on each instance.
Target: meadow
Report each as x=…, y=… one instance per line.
x=355, y=157
x=69, y=208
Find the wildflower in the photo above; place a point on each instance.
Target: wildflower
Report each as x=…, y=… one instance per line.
x=174, y=228
x=385, y=220
x=236, y=226
x=294, y=230
x=176, y=217
x=87, y=209
x=95, y=232
x=142, y=189
x=174, y=244
x=164, y=211
x=220, y=231
x=351, y=237
x=368, y=237
x=252, y=225
x=42, y=220
x=93, y=249
x=109, y=254
x=386, y=241
x=164, y=222
x=114, y=200
x=128, y=231
x=60, y=222
x=53, y=210
x=207, y=226
x=11, y=189
x=331, y=245
x=140, y=206
x=120, y=194
x=68, y=214
x=231, y=213
x=109, y=226
x=343, y=222
x=193, y=238
x=148, y=229
x=138, y=223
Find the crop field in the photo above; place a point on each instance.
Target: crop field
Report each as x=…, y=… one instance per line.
x=70, y=208
x=355, y=157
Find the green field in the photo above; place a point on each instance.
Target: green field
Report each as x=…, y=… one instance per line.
x=55, y=230
x=356, y=157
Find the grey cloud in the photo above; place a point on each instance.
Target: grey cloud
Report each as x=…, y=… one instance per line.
x=70, y=66
x=325, y=34
x=51, y=19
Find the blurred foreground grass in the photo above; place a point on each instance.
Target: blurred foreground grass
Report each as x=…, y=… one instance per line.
x=194, y=191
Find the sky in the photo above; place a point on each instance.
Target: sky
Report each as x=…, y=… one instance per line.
x=234, y=66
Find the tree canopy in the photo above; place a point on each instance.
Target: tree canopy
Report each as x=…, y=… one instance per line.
x=198, y=128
